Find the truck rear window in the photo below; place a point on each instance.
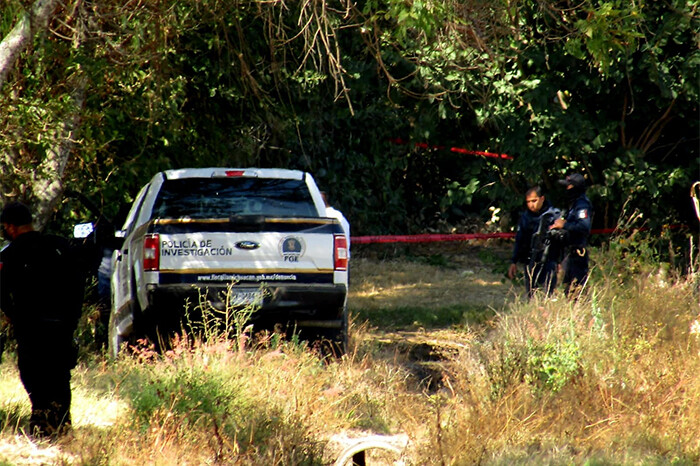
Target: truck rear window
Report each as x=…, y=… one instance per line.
x=222, y=198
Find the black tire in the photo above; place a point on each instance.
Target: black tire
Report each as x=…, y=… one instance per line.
x=342, y=338
x=331, y=342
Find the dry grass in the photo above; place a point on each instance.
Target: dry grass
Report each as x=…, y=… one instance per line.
x=458, y=278
x=611, y=378
x=423, y=285
x=634, y=395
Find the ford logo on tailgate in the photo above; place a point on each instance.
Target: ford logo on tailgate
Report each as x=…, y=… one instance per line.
x=247, y=245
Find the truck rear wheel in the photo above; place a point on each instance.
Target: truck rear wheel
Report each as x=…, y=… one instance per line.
x=329, y=341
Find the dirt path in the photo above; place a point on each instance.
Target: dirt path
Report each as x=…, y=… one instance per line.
x=421, y=308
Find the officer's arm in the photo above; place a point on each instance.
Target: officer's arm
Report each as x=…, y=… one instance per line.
x=580, y=221
x=518, y=240
x=5, y=296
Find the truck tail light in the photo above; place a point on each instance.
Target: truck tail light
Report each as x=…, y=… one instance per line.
x=341, y=252
x=151, y=253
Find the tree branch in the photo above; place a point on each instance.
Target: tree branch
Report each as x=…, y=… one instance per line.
x=17, y=40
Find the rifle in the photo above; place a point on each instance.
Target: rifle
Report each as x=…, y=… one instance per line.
x=544, y=240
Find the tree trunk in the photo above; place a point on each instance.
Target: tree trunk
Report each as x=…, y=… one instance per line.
x=21, y=35
x=48, y=180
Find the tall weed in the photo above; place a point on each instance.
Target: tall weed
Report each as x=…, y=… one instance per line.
x=230, y=321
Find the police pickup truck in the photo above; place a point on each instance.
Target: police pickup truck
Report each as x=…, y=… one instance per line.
x=235, y=237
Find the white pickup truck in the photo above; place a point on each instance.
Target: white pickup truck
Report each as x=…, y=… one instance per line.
x=260, y=234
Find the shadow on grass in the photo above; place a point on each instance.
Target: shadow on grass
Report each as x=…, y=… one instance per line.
x=403, y=318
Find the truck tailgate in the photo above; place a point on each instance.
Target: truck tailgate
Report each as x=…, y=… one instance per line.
x=283, y=250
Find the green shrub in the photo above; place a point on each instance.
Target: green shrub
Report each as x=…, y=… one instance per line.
x=192, y=394
x=551, y=365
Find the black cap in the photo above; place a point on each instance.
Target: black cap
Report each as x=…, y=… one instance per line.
x=575, y=179
x=16, y=213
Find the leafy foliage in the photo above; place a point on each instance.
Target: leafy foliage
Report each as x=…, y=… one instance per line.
x=605, y=87
x=553, y=364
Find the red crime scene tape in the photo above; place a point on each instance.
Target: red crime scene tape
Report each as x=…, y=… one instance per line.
x=436, y=237
x=457, y=150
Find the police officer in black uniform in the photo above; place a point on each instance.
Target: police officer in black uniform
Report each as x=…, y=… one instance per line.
x=540, y=265
x=577, y=223
x=41, y=292
x=3, y=338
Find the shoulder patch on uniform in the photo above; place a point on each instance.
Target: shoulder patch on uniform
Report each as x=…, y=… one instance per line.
x=583, y=213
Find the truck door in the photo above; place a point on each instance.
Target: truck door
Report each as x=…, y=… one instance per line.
x=121, y=260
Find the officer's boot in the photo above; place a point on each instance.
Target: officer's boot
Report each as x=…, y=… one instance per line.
x=39, y=423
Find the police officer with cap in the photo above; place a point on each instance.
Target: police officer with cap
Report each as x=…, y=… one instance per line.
x=41, y=292
x=577, y=223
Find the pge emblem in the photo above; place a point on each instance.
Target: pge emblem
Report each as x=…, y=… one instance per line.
x=292, y=248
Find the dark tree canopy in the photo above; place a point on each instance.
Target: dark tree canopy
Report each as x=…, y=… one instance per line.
x=107, y=93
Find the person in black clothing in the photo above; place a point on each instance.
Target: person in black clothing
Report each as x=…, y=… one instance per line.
x=41, y=293
x=3, y=339
x=577, y=223
x=532, y=246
